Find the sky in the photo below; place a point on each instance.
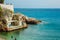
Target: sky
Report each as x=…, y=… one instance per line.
x=35, y=3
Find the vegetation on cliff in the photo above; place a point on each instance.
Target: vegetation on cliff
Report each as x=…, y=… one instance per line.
x=1, y=1
x=8, y=19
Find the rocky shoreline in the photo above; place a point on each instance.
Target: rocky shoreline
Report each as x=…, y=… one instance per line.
x=29, y=20
x=24, y=21
x=11, y=21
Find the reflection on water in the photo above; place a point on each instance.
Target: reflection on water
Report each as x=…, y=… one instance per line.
x=11, y=35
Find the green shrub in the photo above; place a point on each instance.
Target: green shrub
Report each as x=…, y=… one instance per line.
x=0, y=8
x=1, y=1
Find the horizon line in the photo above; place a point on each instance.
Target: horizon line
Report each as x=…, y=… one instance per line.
x=39, y=8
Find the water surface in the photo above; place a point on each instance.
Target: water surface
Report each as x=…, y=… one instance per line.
x=49, y=29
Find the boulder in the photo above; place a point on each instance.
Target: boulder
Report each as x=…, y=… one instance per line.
x=32, y=21
x=15, y=23
x=15, y=17
x=3, y=24
x=28, y=20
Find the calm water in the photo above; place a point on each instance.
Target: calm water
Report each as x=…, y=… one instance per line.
x=49, y=29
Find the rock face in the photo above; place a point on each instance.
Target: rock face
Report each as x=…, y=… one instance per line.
x=10, y=21
x=6, y=10
x=16, y=23
x=32, y=21
x=3, y=23
x=15, y=17
x=28, y=20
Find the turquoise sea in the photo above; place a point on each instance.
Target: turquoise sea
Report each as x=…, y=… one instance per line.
x=49, y=29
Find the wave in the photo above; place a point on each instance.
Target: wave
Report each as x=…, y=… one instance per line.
x=44, y=22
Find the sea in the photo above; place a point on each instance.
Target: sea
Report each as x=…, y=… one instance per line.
x=48, y=29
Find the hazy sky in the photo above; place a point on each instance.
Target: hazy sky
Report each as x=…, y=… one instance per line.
x=35, y=3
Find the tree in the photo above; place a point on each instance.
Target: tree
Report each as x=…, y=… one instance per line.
x=2, y=1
